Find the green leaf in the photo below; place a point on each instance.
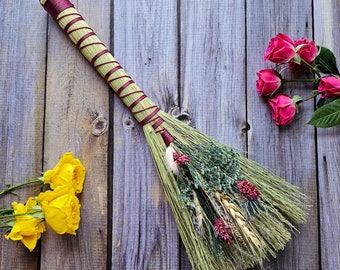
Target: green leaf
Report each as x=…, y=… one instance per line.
x=326, y=61
x=326, y=116
x=10, y=223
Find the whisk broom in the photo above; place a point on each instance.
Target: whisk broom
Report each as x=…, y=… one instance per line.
x=230, y=211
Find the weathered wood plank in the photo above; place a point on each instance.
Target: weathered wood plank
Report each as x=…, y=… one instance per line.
x=77, y=112
x=213, y=59
x=212, y=69
x=326, y=25
x=290, y=152
x=22, y=65
x=144, y=231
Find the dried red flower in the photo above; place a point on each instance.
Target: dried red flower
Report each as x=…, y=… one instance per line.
x=248, y=190
x=223, y=231
x=180, y=158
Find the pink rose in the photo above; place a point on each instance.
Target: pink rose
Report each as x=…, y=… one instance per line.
x=329, y=87
x=282, y=108
x=308, y=51
x=268, y=82
x=280, y=49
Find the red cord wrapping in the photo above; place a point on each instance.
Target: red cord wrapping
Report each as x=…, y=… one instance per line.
x=54, y=8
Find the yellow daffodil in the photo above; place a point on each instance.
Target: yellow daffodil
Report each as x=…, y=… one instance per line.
x=61, y=209
x=68, y=172
x=27, y=227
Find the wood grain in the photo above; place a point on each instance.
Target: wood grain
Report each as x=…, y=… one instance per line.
x=328, y=146
x=212, y=76
x=196, y=59
x=289, y=152
x=212, y=70
x=22, y=58
x=77, y=116
x=144, y=234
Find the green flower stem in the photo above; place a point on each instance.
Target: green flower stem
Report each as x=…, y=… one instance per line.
x=11, y=188
x=5, y=226
x=16, y=215
x=313, y=68
x=5, y=210
x=35, y=213
x=300, y=80
x=7, y=216
x=310, y=97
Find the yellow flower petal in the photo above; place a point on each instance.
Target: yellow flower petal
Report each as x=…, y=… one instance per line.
x=69, y=171
x=61, y=209
x=30, y=242
x=27, y=228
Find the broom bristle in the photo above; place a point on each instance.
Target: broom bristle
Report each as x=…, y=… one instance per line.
x=249, y=229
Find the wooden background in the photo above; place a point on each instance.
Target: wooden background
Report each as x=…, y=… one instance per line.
x=192, y=57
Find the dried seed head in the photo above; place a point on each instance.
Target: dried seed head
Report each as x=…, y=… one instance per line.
x=248, y=190
x=174, y=159
x=223, y=231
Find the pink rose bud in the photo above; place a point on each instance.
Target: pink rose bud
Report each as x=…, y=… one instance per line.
x=280, y=49
x=268, y=82
x=307, y=49
x=329, y=87
x=283, y=109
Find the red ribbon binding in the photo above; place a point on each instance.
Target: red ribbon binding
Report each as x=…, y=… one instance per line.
x=54, y=8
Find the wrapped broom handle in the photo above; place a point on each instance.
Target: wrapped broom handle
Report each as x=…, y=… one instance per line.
x=85, y=39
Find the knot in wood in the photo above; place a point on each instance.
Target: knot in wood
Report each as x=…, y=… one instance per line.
x=245, y=127
x=128, y=123
x=181, y=115
x=99, y=126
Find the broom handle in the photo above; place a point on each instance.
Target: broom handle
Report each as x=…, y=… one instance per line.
x=84, y=38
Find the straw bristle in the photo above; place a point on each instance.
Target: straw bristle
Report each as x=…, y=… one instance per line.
x=200, y=254
x=204, y=190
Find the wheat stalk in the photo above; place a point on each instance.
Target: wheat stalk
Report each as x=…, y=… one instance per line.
x=236, y=214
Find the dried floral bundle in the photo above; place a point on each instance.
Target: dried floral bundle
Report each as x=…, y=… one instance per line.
x=230, y=211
